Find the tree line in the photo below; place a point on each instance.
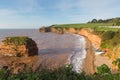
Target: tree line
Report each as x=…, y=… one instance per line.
x=112, y=20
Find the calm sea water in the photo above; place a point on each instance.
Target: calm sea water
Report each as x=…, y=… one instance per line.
x=69, y=47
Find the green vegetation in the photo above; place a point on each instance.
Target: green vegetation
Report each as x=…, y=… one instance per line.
x=110, y=39
x=103, y=69
x=117, y=63
x=112, y=20
x=63, y=73
x=94, y=26
x=18, y=40
x=97, y=25
x=85, y=25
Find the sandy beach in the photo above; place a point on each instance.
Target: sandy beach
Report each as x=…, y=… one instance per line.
x=101, y=59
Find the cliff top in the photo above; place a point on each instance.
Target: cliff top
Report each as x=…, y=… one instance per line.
x=17, y=40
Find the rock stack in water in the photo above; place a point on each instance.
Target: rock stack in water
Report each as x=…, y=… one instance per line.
x=20, y=46
x=18, y=53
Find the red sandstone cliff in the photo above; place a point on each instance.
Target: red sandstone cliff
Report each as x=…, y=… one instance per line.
x=96, y=40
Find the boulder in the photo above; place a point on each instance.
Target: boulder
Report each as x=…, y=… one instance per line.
x=20, y=46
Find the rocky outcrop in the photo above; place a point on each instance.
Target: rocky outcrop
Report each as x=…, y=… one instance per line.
x=18, y=46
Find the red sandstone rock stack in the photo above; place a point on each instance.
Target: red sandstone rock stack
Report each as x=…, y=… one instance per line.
x=12, y=46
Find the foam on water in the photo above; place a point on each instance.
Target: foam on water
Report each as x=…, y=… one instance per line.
x=79, y=54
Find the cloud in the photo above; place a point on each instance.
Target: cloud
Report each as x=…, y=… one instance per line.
x=88, y=9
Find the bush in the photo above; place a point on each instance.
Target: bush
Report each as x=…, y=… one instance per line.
x=117, y=63
x=106, y=45
x=108, y=35
x=63, y=73
x=103, y=69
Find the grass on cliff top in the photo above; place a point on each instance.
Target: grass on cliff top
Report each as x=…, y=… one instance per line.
x=85, y=25
x=95, y=26
x=17, y=40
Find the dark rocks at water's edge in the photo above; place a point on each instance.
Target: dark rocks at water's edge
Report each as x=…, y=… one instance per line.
x=17, y=53
x=19, y=46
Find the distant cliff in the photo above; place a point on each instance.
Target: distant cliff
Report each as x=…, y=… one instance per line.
x=95, y=39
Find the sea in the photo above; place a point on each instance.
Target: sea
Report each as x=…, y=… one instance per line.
x=55, y=46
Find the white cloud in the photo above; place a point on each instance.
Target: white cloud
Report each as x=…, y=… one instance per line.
x=76, y=10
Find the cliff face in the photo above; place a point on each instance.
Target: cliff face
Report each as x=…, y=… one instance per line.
x=18, y=46
x=96, y=40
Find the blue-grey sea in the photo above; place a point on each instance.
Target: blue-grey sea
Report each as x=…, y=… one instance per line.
x=45, y=41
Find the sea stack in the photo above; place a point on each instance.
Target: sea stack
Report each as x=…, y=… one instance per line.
x=19, y=46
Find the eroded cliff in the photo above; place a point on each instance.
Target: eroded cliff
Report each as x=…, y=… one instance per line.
x=20, y=46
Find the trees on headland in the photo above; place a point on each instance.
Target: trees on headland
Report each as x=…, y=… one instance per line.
x=112, y=20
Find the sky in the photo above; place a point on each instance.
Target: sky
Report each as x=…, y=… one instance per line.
x=38, y=13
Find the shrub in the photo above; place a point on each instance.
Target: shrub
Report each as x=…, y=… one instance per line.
x=63, y=73
x=117, y=63
x=103, y=69
x=108, y=35
x=106, y=44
